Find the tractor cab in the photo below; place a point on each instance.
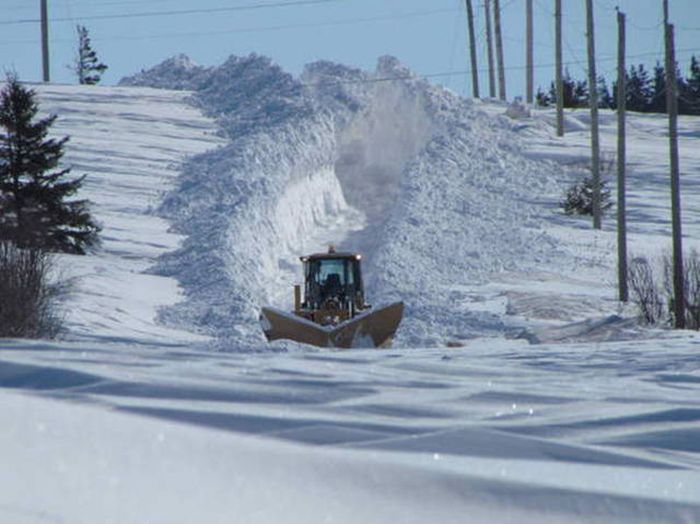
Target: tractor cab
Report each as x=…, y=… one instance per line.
x=333, y=289
x=332, y=276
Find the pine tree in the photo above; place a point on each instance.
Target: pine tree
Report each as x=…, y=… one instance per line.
x=658, y=97
x=688, y=94
x=605, y=98
x=694, y=85
x=542, y=99
x=581, y=94
x=34, y=210
x=639, y=90
x=575, y=93
x=578, y=199
x=694, y=78
x=88, y=68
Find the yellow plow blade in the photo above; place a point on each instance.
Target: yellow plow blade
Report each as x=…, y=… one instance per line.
x=375, y=328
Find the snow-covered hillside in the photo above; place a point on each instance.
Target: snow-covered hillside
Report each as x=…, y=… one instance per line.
x=518, y=389
x=130, y=143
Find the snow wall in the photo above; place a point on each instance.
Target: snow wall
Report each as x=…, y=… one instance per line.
x=434, y=192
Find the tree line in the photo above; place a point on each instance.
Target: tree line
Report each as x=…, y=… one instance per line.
x=645, y=90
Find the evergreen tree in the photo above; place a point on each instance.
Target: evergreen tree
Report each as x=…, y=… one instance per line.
x=575, y=93
x=552, y=95
x=639, y=90
x=88, y=68
x=34, y=210
x=694, y=85
x=606, y=99
x=578, y=199
x=542, y=99
x=581, y=94
x=688, y=99
x=694, y=78
x=658, y=97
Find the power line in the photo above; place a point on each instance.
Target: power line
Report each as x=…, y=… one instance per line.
x=121, y=2
x=300, y=25
x=179, y=12
x=449, y=74
x=458, y=72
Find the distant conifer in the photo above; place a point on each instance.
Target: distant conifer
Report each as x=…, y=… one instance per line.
x=639, y=89
x=658, y=88
x=88, y=68
x=542, y=98
x=575, y=93
x=606, y=99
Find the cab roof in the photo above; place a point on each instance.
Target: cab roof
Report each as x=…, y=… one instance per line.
x=332, y=254
x=326, y=256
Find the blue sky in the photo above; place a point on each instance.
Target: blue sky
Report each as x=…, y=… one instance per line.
x=427, y=35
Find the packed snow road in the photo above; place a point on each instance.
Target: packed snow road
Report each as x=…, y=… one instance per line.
x=500, y=431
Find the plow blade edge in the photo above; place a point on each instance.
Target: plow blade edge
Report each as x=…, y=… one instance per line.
x=375, y=328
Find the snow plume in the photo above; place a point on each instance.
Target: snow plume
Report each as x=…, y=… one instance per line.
x=428, y=187
x=380, y=127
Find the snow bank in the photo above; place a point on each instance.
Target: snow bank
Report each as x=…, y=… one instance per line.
x=434, y=191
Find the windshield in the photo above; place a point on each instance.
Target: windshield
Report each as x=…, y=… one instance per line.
x=325, y=271
x=331, y=277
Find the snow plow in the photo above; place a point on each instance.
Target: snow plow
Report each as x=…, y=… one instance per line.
x=333, y=311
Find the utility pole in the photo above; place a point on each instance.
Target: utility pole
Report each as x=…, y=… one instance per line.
x=529, y=81
x=672, y=107
x=45, y=39
x=472, y=48
x=499, y=51
x=558, y=77
x=593, y=99
x=621, y=161
x=489, y=48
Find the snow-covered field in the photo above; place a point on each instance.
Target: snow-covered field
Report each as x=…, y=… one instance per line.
x=518, y=389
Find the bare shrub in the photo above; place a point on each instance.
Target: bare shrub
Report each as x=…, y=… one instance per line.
x=691, y=287
x=28, y=298
x=578, y=198
x=645, y=292
x=692, y=290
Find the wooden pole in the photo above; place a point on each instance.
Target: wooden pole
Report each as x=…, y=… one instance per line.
x=499, y=50
x=489, y=48
x=672, y=106
x=529, y=80
x=45, y=40
x=621, y=162
x=558, y=78
x=593, y=99
x=472, y=48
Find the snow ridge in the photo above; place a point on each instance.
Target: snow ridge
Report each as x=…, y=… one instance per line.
x=231, y=202
x=410, y=174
